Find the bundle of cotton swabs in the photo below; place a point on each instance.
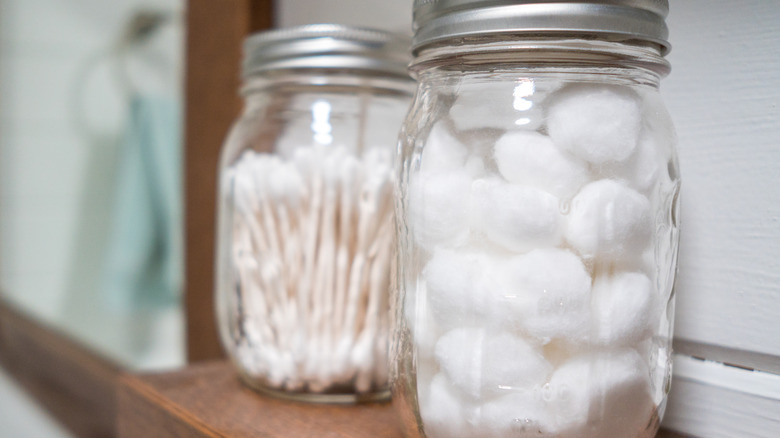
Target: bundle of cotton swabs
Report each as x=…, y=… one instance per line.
x=312, y=248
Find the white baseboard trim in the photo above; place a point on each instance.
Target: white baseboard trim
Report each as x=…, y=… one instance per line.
x=712, y=400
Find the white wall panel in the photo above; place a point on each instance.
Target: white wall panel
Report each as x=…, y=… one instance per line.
x=712, y=400
x=395, y=15
x=723, y=94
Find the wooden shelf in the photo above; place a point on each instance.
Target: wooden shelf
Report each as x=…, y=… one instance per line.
x=73, y=383
x=208, y=400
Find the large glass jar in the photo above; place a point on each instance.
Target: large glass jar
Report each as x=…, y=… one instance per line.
x=305, y=239
x=538, y=222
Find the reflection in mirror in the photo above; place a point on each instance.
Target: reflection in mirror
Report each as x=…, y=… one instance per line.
x=90, y=166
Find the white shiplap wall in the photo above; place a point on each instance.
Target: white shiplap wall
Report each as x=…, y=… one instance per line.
x=723, y=94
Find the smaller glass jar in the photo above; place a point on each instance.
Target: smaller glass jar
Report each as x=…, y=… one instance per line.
x=305, y=226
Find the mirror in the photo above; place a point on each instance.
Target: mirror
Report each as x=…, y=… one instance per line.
x=90, y=172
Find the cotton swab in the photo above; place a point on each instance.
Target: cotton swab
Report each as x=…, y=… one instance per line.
x=313, y=244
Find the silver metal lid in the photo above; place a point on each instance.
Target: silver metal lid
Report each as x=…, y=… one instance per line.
x=436, y=21
x=327, y=46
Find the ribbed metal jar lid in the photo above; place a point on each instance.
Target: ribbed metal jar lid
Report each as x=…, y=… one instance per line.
x=436, y=21
x=327, y=46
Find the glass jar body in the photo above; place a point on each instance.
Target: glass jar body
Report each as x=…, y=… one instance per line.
x=537, y=219
x=305, y=238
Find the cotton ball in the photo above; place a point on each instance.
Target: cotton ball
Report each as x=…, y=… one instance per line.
x=659, y=125
x=481, y=362
x=625, y=309
x=501, y=105
x=480, y=144
x=519, y=415
x=609, y=220
x=442, y=151
x=643, y=261
x=548, y=294
x=559, y=351
x=475, y=166
x=420, y=334
x=438, y=212
x=445, y=413
x=600, y=395
x=426, y=368
x=461, y=288
x=657, y=353
x=530, y=158
x=421, y=324
x=516, y=217
x=641, y=170
x=598, y=123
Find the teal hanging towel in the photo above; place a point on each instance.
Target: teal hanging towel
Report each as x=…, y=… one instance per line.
x=144, y=256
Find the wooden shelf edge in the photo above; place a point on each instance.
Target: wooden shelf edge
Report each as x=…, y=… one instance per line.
x=208, y=400
x=74, y=384
x=144, y=411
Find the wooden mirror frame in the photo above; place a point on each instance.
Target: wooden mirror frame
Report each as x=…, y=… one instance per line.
x=216, y=31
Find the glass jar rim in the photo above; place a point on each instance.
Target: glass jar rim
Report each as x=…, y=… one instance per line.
x=348, y=79
x=538, y=51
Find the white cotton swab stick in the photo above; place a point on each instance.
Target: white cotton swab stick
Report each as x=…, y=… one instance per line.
x=272, y=268
x=357, y=273
x=247, y=206
x=305, y=173
x=306, y=283
x=285, y=189
x=250, y=193
x=350, y=178
x=313, y=246
x=363, y=357
x=253, y=303
x=323, y=278
x=253, y=297
x=265, y=210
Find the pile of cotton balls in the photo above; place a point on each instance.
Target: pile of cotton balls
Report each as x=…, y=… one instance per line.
x=537, y=301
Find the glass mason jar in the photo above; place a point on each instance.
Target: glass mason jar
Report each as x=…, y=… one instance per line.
x=538, y=222
x=305, y=222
